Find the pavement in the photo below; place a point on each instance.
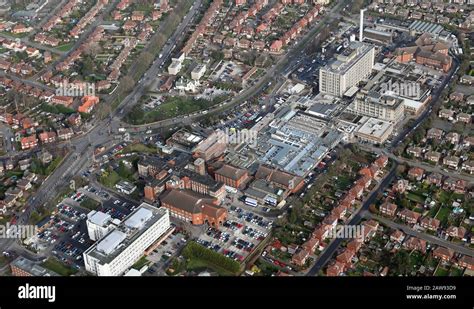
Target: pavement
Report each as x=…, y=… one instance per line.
x=30, y=43
x=251, y=92
x=423, y=165
x=429, y=238
x=327, y=254
x=26, y=81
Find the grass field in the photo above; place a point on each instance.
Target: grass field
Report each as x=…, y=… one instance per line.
x=415, y=198
x=90, y=204
x=110, y=180
x=65, y=47
x=441, y=272
x=138, y=148
x=59, y=268
x=201, y=265
x=443, y=214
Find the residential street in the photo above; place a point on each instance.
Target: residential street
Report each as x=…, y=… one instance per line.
x=429, y=238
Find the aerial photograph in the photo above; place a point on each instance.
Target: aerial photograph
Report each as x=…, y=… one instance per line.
x=169, y=139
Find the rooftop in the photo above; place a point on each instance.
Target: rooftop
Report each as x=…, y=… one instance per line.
x=134, y=225
x=347, y=58
x=31, y=267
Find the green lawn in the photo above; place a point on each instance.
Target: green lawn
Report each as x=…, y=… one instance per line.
x=444, y=197
x=266, y=268
x=433, y=211
x=16, y=35
x=16, y=173
x=140, y=263
x=201, y=265
x=3, y=261
x=172, y=107
x=139, y=148
x=110, y=180
x=90, y=204
x=415, y=198
x=65, y=47
x=343, y=182
x=456, y=272
x=441, y=272
x=58, y=267
x=443, y=214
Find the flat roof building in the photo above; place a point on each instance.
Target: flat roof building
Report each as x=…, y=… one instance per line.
x=123, y=246
x=348, y=68
x=98, y=224
x=378, y=106
x=198, y=71
x=23, y=267
x=373, y=130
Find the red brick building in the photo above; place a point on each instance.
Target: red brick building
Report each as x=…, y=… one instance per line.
x=231, y=176
x=29, y=142
x=427, y=51
x=193, y=207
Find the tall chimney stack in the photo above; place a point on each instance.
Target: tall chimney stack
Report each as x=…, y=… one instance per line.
x=361, y=26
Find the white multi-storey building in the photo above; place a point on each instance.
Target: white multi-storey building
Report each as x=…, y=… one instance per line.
x=198, y=71
x=352, y=65
x=387, y=108
x=98, y=224
x=122, y=247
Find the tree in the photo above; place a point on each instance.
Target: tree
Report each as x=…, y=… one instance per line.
x=123, y=171
x=93, y=49
x=136, y=115
x=127, y=83
x=217, y=55
x=293, y=216
x=401, y=262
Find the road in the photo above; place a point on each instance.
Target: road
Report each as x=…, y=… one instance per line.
x=84, y=146
x=157, y=65
x=253, y=91
x=26, y=81
x=429, y=109
x=30, y=43
x=327, y=254
x=423, y=165
x=429, y=238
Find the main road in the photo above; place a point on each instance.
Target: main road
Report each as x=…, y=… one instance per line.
x=327, y=254
x=83, y=147
x=252, y=91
